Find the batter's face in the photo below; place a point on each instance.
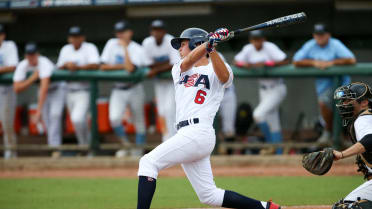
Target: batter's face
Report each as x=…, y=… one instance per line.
x=322, y=38
x=158, y=34
x=184, y=50
x=32, y=59
x=76, y=41
x=125, y=35
x=257, y=42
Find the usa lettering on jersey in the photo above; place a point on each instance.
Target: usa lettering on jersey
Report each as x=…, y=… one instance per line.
x=195, y=80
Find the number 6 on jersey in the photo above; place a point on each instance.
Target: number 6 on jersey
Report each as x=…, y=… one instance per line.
x=200, y=97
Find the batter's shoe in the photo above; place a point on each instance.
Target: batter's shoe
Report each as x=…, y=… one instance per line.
x=271, y=205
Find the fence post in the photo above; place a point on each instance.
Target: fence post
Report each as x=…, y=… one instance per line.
x=337, y=126
x=94, y=143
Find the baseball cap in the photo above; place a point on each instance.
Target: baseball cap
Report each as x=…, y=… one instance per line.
x=31, y=48
x=158, y=24
x=121, y=26
x=75, y=31
x=256, y=34
x=320, y=28
x=2, y=28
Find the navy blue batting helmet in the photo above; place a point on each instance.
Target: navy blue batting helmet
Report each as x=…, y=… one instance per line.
x=194, y=35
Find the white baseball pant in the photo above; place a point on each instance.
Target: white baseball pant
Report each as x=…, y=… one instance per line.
x=78, y=106
x=191, y=147
x=7, y=112
x=228, y=112
x=166, y=105
x=135, y=98
x=268, y=108
x=364, y=191
x=52, y=115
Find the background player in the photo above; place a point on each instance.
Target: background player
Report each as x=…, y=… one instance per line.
x=162, y=57
x=51, y=95
x=354, y=102
x=78, y=55
x=8, y=63
x=121, y=53
x=322, y=52
x=261, y=53
x=199, y=87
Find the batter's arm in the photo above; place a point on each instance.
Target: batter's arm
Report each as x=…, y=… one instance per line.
x=193, y=57
x=219, y=67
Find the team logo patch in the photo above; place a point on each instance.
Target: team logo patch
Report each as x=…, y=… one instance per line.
x=195, y=80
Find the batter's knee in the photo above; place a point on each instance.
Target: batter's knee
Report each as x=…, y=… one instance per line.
x=212, y=197
x=147, y=167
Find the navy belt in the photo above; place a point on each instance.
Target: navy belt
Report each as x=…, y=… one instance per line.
x=184, y=123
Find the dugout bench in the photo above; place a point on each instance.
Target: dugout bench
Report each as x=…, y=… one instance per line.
x=287, y=71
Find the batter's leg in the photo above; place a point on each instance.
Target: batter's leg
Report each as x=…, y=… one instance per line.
x=200, y=176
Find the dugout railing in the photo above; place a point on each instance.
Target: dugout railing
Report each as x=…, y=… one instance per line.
x=287, y=71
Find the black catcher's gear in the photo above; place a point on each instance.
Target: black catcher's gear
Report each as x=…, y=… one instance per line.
x=194, y=35
x=344, y=96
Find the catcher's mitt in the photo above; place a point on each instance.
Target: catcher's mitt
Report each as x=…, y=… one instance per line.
x=318, y=163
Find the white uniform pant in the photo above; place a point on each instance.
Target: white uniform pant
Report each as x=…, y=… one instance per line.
x=135, y=98
x=268, y=108
x=364, y=191
x=78, y=106
x=191, y=147
x=228, y=112
x=166, y=105
x=52, y=115
x=7, y=112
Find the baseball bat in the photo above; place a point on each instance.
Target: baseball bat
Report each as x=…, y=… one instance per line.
x=278, y=22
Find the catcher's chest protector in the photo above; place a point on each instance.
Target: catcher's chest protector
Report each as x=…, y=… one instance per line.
x=367, y=156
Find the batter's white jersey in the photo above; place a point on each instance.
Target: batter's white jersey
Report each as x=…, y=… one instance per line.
x=269, y=52
x=199, y=92
x=362, y=127
x=113, y=53
x=86, y=54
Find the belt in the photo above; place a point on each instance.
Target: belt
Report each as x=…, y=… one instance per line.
x=184, y=123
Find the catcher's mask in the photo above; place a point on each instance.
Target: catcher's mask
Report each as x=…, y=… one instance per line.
x=345, y=95
x=195, y=36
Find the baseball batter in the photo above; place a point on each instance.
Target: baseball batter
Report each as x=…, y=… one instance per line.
x=121, y=53
x=162, y=57
x=8, y=63
x=200, y=79
x=78, y=55
x=260, y=53
x=354, y=102
x=51, y=95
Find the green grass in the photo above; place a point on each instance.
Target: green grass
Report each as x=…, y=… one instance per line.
x=171, y=192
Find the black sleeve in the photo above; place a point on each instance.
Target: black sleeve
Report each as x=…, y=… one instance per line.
x=366, y=141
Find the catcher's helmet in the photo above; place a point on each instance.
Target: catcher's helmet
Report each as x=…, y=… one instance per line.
x=194, y=35
x=355, y=91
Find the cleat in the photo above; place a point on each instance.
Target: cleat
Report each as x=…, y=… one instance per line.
x=271, y=205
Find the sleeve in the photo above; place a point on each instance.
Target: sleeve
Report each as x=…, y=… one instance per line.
x=176, y=71
x=302, y=53
x=231, y=77
x=276, y=53
x=12, y=59
x=342, y=51
x=46, y=68
x=20, y=72
x=105, y=57
x=241, y=56
x=363, y=126
x=61, y=58
x=93, y=56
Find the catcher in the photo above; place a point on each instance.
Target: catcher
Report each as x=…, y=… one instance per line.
x=354, y=103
